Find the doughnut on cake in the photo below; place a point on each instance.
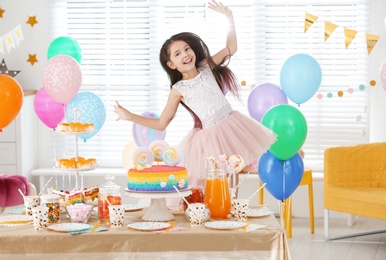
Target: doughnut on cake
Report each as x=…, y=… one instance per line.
x=162, y=177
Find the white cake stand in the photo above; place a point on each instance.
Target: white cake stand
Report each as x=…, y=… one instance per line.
x=158, y=210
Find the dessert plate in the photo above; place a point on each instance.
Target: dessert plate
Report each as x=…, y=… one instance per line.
x=66, y=227
x=132, y=207
x=259, y=212
x=16, y=219
x=149, y=226
x=225, y=225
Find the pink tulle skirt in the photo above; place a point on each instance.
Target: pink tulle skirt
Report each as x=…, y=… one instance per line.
x=234, y=134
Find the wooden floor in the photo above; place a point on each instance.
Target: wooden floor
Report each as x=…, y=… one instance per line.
x=306, y=246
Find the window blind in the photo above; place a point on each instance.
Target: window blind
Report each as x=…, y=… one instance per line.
x=120, y=42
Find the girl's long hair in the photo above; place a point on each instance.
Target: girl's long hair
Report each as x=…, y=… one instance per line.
x=224, y=76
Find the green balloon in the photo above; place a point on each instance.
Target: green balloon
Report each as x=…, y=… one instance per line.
x=65, y=45
x=291, y=127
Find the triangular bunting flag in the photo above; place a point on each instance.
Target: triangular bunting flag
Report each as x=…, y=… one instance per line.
x=9, y=42
x=309, y=21
x=349, y=35
x=17, y=34
x=371, y=40
x=329, y=28
x=1, y=44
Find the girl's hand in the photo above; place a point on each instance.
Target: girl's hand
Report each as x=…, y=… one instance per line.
x=123, y=113
x=219, y=7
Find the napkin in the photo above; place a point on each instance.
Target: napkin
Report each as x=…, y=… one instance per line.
x=100, y=229
x=252, y=227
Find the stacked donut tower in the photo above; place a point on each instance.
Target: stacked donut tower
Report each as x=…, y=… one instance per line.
x=158, y=151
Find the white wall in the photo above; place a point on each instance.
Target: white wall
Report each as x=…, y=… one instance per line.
x=36, y=41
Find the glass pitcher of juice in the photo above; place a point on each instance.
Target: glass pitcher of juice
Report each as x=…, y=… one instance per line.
x=111, y=192
x=217, y=195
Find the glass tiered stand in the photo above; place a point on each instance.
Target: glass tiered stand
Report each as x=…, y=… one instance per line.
x=78, y=171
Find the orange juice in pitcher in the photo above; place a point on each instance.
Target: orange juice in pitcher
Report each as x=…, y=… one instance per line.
x=217, y=194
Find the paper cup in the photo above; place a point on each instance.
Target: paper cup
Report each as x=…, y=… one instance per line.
x=40, y=217
x=240, y=209
x=117, y=215
x=31, y=202
x=197, y=214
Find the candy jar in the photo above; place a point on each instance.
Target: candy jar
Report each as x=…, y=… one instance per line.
x=111, y=192
x=217, y=195
x=196, y=196
x=51, y=201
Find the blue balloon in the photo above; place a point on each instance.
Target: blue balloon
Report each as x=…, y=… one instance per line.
x=281, y=177
x=300, y=77
x=86, y=107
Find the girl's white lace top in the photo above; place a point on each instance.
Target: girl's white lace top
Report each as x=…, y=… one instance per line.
x=204, y=97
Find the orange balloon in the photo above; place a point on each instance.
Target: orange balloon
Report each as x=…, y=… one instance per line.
x=11, y=100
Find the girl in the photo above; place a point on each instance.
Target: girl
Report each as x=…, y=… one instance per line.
x=198, y=82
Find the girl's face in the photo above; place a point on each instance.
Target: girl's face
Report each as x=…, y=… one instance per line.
x=182, y=57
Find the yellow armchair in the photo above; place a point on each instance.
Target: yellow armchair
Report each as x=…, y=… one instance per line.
x=355, y=183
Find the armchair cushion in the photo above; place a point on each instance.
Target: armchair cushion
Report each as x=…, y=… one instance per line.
x=9, y=194
x=355, y=179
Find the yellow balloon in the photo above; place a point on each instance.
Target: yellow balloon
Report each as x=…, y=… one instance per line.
x=127, y=155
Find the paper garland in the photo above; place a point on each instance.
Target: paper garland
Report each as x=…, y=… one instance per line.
x=349, y=34
x=329, y=28
x=11, y=39
x=309, y=21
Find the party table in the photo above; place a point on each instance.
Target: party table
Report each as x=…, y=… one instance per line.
x=182, y=241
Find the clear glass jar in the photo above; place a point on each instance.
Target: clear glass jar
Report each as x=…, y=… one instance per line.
x=111, y=192
x=51, y=201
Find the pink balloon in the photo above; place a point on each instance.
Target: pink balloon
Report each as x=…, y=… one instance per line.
x=62, y=78
x=263, y=97
x=383, y=75
x=47, y=109
x=143, y=136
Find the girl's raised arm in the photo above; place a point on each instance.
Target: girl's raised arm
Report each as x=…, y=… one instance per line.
x=156, y=123
x=231, y=43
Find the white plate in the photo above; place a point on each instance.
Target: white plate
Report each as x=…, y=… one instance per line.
x=66, y=227
x=149, y=226
x=225, y=225
x=259, y=212
x=76, y=169
x=132, y=207
x=15, y=219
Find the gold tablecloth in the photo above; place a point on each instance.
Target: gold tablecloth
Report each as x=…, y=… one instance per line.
x=126, y=243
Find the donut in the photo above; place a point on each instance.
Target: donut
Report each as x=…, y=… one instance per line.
x=143, y=156
x=158, y=147
x=171, y=156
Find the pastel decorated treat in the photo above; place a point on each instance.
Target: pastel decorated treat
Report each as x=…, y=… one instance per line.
x=76, y=197
x=91, y=195
x=236, y=162
x=75, y=127
x=158, y=178
x=73, y=163
x=171, y=156
x=143, y=157
x=146, y=177
x=158, y=147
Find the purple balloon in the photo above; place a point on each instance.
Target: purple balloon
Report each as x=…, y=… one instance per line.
x=47, y=109
x=263, y=97
x=143, y=136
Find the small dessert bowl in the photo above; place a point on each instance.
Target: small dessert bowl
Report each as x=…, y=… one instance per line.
x=79, y=213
